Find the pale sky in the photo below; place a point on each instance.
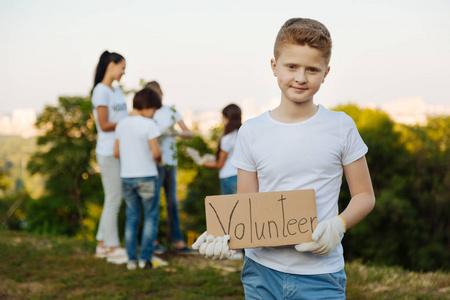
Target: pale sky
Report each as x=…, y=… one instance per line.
x=207, y=54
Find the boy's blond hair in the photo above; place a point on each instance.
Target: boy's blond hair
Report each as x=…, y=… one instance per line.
x=301, y=31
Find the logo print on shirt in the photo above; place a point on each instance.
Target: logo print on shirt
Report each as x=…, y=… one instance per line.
x=120, y=107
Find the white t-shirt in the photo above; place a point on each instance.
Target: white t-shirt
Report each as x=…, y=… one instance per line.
x=136, y=157
x=227, y=144
x=166, y=117
x=102, y=95
x=293, y=156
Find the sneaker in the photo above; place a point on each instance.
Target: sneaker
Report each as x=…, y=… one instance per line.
x=131, y=265
x=102, y=252
x=159, y=249
x=117, y=256
x=158, y=262
x=145, y=264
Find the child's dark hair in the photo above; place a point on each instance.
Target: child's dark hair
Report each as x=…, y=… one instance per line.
x=146, y=98
x=302, y=31
x=234, y=115
x=103, y=63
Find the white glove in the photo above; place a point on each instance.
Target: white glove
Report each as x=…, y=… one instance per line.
x=208, y=158
x=326, y=237
x=213, y=248
x=194, y=155
x=199, y=160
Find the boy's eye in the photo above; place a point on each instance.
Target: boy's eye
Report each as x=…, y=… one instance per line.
x=312, y=70
x=291, y=67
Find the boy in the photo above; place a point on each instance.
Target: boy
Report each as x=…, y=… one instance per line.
x=300, y=145
x=137, y=146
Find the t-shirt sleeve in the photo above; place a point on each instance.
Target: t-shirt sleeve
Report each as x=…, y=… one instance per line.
x=354, y=146
x=100, y=97
x=227, y=143
x=177, y=116
x=242, y=156
x=153, y=131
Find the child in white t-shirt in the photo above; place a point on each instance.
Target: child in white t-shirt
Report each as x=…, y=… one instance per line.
x=300, y=145
x=231, y=119
x=137, y=146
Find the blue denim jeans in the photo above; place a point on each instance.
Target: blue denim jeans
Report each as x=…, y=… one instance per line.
x=168, y=181
x=141, y=192
x=264, y=283
x=228, y=185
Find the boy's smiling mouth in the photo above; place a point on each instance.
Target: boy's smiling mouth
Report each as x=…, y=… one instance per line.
x=299, y=89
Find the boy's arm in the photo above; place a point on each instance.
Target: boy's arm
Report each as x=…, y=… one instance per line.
x=116, y=149
x=154, y=146
x=247, y=182
x=185, y=132
x=328, y=233
x=361, y=190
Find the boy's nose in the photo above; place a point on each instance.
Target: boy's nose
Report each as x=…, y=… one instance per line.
x=300, y=77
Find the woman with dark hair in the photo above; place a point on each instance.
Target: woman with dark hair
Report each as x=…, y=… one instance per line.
x=109, y=107
x=232, y=120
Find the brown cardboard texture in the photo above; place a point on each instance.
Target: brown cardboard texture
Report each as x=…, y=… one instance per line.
x=262, y=219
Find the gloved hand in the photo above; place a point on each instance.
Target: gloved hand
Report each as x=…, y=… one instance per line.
x=326, y=237
x=194, y=155
x=208, y=158
x=199, y=160
x=213, y=248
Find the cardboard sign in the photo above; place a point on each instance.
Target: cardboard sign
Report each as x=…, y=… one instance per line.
x=262, y=219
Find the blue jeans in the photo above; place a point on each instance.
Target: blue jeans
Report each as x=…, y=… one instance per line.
x=264, y=283
x=168, y=180
x=141, y=192
x=228, y=185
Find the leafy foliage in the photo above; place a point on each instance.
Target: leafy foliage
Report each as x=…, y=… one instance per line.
x=205, y=183
x=409, y=167
x=4, y=183
x=65, y=159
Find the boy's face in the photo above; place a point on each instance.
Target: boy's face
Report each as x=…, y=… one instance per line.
x=148, y=112
x=300, y=70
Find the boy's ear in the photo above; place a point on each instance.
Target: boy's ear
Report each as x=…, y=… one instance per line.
x=273, y=65
x=326, y=73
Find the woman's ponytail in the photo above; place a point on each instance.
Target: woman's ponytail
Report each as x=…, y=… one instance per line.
x=102, y=65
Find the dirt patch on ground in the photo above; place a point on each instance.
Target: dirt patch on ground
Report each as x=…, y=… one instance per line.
x=199, y=261
x=21, y=290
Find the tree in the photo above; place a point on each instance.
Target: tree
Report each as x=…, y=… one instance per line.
x=4, y=183
x=410, y=174
x=65, y=158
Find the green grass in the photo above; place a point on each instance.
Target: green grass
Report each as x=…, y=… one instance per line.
x=39, y=267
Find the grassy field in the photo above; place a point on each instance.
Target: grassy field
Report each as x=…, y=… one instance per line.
x=37, y=267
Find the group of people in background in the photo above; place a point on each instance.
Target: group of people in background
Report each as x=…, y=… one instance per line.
x=137, y=155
